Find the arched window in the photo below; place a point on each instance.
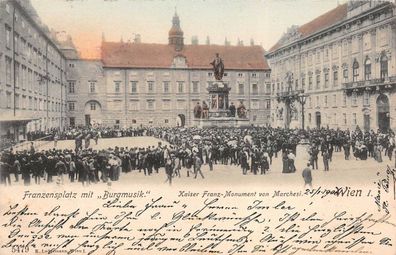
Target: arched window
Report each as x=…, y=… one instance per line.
x=355, y=70
x=367, y=69
x=384, y=66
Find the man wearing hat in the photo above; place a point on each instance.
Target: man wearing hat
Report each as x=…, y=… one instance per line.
x=197, y=166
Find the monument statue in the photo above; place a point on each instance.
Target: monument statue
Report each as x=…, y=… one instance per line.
x=217, y=112
x=197, y=110
x=218, y=67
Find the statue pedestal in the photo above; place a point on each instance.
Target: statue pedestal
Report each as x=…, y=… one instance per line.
x=219, y=115
x=221, y=122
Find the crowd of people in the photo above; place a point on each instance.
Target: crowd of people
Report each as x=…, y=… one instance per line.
x=185, y=151
x=73, y=132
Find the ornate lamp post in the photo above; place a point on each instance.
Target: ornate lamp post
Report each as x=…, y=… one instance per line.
x=302, y=98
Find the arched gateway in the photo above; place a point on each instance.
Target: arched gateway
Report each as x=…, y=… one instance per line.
x=383, y=115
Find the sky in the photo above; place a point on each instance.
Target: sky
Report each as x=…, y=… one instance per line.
x=264, y=21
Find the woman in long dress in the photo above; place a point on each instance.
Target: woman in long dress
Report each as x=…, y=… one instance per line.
x=285, y=161
x=379, y=154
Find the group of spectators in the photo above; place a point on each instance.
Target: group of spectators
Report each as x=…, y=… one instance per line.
x=252, y=149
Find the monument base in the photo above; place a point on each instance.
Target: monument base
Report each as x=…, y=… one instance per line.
x=221, y=122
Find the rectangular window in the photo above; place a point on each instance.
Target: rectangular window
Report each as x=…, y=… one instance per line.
x=303, y=83
x=117, y=85
x=150, y=87
x=367, y=71
x=326, y=77
x=71, y=106
x=16, y=43
x=317, y=101
x=345, y=74
x=72, y=121
x=384, y=67
x=335, y=78
x=30, y=80
x=180, y=87
x=8, y=100
x=92, y=87
x=344, y=99
x=150, y=105
x=93, y=106
x=310, y=82
x=254, y=75
x=17, y=75
x=8, y=36
x=345, y=118
x=355, y=74
x=255, y=89
x=241, y=89
x=24, y=100
x=335, y=100
x=24, y=74
x=268, y=88
x=134, y=105
x=133, y=86
x=166, y=105
x=354, y=119
x=354, y=99
x=166, y=86
x=72, y=87
x=325, y=101
x=195, y=86
x=17, y=103
x=318, y=81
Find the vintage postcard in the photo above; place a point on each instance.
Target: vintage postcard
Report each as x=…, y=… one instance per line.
x=197, y=127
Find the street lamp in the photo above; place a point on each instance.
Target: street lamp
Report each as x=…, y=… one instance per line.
x=302, y=98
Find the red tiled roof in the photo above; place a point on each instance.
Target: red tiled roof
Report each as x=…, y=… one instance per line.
x=325, y=20
x=143, y=55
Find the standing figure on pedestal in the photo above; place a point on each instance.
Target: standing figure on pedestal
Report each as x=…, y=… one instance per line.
x=218, y=67
x=221, y=102
x=205, y=110
x=232, y=110
x=197, y=111
x=214, y=102
x=241, y=110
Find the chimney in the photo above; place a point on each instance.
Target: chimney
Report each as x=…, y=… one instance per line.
x=194, y=40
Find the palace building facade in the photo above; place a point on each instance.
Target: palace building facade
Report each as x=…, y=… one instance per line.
x=32, y=73
x=339, y=70
x=141, y=84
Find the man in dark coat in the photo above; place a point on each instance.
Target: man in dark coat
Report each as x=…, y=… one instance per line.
x=307, y=175
x=232, y=110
